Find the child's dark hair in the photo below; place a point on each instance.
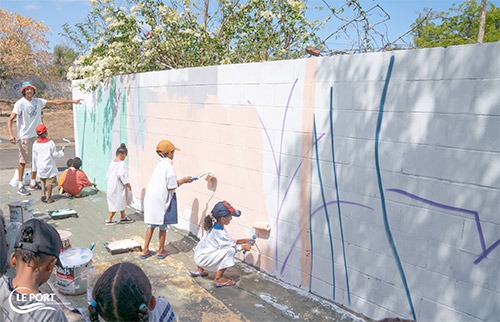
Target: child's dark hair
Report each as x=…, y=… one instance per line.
x=208, y=223
x=122, y=149
x=69, y=163
x=27, y=256
x=77, y=163
x=122, y=293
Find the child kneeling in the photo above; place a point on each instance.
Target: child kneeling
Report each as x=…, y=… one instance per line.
x=124, y=293
x=216, y=250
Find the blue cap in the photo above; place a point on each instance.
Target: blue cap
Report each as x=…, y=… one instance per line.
x=27, y=84
x=223, y=209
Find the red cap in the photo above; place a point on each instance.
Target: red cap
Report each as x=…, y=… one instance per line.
x=40, y=129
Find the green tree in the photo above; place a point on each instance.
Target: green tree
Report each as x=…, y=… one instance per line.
x=459, y=25
x=64, y=57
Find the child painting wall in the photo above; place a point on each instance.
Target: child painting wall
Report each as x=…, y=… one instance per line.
x=379, y=174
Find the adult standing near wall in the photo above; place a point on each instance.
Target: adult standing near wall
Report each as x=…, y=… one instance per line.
x=28, y=111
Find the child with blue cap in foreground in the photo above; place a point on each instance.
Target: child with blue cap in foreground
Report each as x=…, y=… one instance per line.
x=215, y=251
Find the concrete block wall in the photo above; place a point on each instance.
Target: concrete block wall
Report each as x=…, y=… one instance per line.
x=379, y=173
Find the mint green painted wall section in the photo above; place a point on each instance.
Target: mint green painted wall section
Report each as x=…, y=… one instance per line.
x=94, y=130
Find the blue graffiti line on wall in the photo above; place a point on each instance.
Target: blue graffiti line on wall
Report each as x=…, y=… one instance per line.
x=282, y=270
x=339, y=213
x=313, y=213
x=327, y=217
x=485, y=251
x=381, y=189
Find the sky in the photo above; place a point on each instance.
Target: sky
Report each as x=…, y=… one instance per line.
x=55, y=13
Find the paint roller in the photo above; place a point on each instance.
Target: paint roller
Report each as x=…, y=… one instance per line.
x=209, y=173
x=261, y=225
x=258, y=225
x=67, y=141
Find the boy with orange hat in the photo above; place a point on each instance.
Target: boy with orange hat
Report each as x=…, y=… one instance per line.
x=160, y=194
x=28, y=112
x=44, y=152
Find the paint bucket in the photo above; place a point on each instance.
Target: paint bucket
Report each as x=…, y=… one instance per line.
x=70, y=277
x=65, y=239
x=21, y=211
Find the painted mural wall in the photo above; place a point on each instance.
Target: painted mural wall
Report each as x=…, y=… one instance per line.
x=378, y=173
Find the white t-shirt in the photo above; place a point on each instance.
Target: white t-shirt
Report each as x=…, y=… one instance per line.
x=29, y=115
x=159, y=192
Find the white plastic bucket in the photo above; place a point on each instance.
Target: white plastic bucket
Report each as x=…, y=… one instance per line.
x=21, y=211
x=70, y=277
x=65, y=239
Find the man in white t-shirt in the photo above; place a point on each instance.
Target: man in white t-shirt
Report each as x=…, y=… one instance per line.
x=28, y=111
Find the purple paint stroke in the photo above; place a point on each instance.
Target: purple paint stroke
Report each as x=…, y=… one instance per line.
x=270, y=143
x=283, y=128
x=277, y=164
x=312, y=214
x=276, y=252
x=485, y=251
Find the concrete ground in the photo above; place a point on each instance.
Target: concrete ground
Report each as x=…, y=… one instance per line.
x=255, y=297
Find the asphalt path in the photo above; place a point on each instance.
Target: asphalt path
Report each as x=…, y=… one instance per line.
x=9, y=157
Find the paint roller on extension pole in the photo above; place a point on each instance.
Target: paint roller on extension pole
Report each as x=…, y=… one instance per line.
x=209, y=173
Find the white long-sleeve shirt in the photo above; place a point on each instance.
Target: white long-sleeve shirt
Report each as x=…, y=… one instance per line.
x=216, y=250
x=44, y=152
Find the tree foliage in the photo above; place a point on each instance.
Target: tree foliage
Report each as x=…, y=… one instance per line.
x=459, y=25
x=63, y=58
x=147, y=35
x=150, y=35
x=23, y=47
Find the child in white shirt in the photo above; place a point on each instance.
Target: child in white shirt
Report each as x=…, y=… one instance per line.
x=44, y=164
x=215, y=251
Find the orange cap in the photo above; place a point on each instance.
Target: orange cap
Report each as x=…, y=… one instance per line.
x=165, y=146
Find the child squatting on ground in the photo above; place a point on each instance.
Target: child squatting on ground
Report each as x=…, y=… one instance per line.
x=124, y=293
x=37, y=249
x=75, y=179
x=44, y=152
x=69, y=166
x=160, y=202
x=216, y=250
x=119, y=193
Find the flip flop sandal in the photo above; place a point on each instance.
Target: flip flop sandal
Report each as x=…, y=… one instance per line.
x=198, y=274
x=151, y=253
x=227, y=283
x=162, y=256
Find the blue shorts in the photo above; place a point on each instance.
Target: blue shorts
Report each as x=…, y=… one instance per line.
x=162, y=227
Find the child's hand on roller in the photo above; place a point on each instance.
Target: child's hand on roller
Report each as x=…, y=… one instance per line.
x=246, y=247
